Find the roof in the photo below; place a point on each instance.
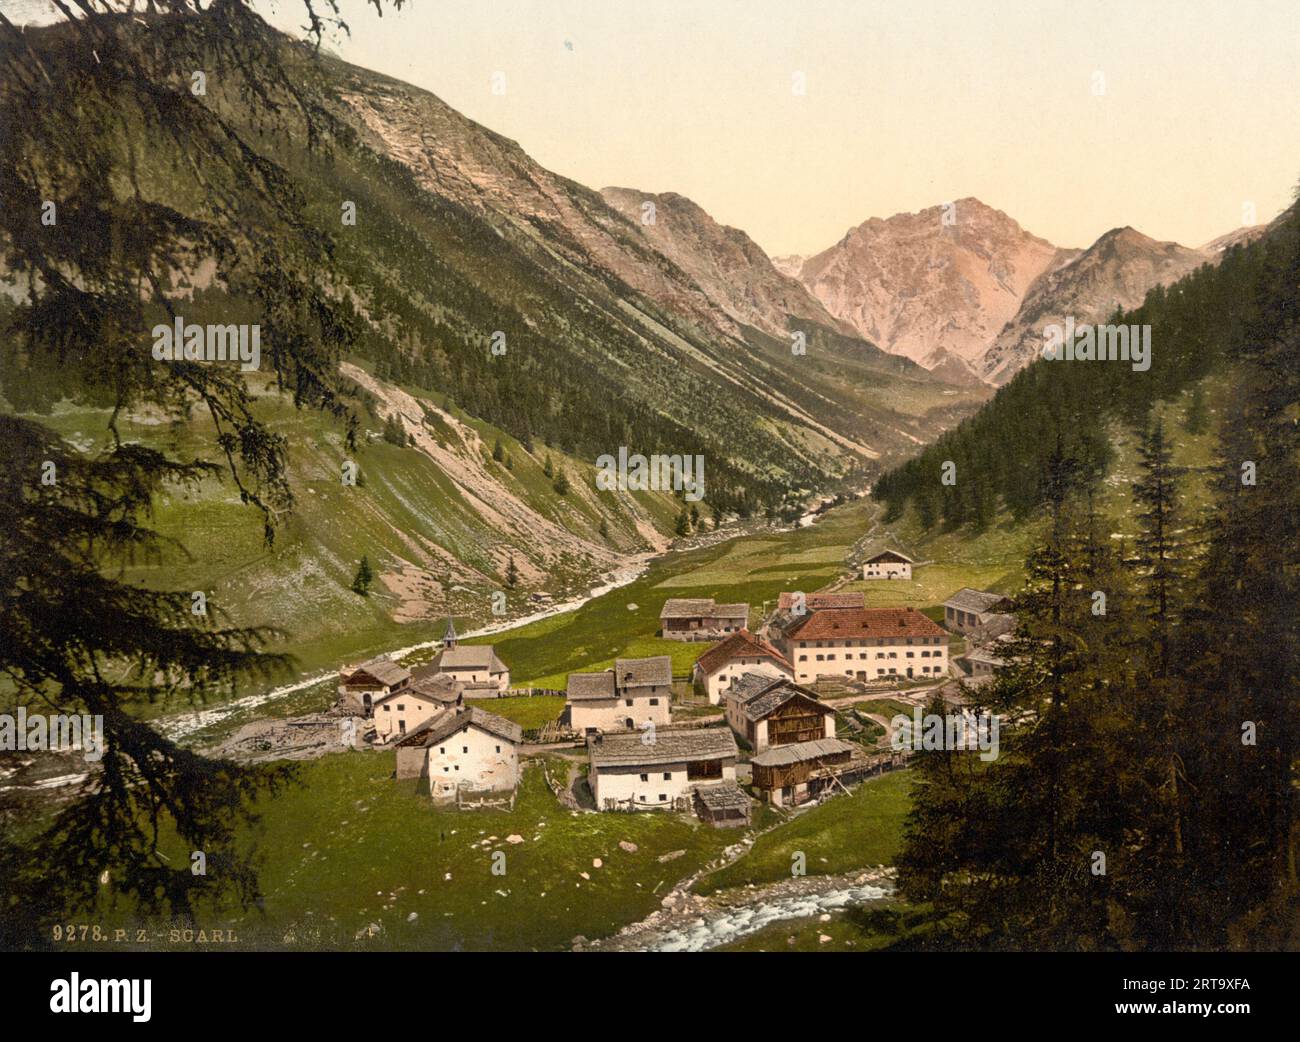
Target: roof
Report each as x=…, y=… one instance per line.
x=627, y=673
x=850, y=623
x=657, y=671
x=814, y=601
x=586, y=687
x=739, y=645
x=670, y=745
x=440, y=687
x=890, y=555
x=726, y=796
x=469, y=656
x=382, y=668
x=759, y=700
x=798, y=752
x=967, y=599
x=986, y=656
x=701, y=608
x=450, y=721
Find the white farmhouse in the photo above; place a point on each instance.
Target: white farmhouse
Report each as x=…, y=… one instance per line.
x=740, y=653
x=400, y=712
x=629, y=771
x=888, y=564
x=634, y=692
x=465, y=748
x=867, y=644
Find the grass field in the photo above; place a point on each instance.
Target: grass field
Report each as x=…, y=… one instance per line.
x=528, y=713
x=844, y=833
x=351, y=847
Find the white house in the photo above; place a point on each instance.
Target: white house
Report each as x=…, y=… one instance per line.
x=402, y=711
x=634, y=692
x=740, y=653
x=463, y=748
x=629, y=773
x=888, y=564
x=867, y=644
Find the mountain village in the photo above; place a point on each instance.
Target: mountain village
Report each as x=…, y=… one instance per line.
x=774, y=713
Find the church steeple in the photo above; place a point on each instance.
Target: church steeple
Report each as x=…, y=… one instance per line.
x=449, y=638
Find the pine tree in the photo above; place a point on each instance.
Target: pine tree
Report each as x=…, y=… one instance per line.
x=363, y=579
x=604, y=529
x=1197, y=419
x=512, y=572
x=548, y=468
x=561, y=483
x=498, y=451
x=683, y=526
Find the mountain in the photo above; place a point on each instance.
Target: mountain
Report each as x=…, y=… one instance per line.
x=1114, y=272
x=735, y=274
x=949, y=277
x=1237, y=237
x=791, y=264
x=675, y=341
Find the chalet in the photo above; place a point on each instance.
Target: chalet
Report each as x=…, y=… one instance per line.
x=967, y=610
x=699, y=618
x=406, y=709
x=629, y=773
x=635, y=691
x=462, y=749
x=476, y=666
x=787, y=775
x=867, y=644
x=793, y=608
x=888, y=564
x=360, y=686
x=740, y=653
x=769, y=711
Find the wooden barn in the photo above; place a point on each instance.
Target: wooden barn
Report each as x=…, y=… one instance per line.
x=787, y=775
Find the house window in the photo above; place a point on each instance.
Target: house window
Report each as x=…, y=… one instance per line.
x=663, y=797
x=628, y=701
x=442, y=750
x=803, y=658
x=645, y=777
x=498, y=748
x=446, y=770
x=401, y=726
x=464, y=748
x=387, y=708
x=654, y=701
x=668, y=775
x=401, y=707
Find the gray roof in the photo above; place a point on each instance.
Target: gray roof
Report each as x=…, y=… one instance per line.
x=797, y=752
x=977, y=601
x=450, y=721
x=627, y=674
x=759, y=695
x=469, y=656
x=440, y=687
x=726, y=796
x=381, y=667
x=701, y=608
x=587, y=687
x=644, y=672
x=670, y=745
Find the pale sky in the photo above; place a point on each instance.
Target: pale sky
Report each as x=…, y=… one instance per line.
x=908, y=104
